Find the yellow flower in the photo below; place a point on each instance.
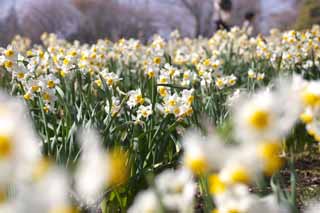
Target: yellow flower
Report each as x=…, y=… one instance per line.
x=186, y=75
x=3, y=196
x=216, y=185
x=9, y=53
x=219, y=83
x=240, y=175
x=66, y=61
x=207, y=62
x=6, y=146
x=157, y=60
x=270, y=153
x=259, y=119
x=234, y=211
x=8, y=64
x=51, y=84
x=306, y=118
x=64, y=209
x=119, y=167
x=35, y=88
x=198, y=165
x=98, y=83
x=190, y=99
x=46, y=96
x=176, y=111
x=310, y=99
x=163, y=91
x=110, y=81
x=139, y=99
x=46, y=109
x=27, y=96
x=172, y=103
x=41, y=169
x=20, y=75
x=151, y=74
x=62, y=73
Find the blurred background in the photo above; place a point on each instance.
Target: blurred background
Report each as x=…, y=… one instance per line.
x=87, y=20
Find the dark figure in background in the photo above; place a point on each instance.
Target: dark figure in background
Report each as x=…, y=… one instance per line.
x=221, y=25
x=249, y=18
x=223, y=10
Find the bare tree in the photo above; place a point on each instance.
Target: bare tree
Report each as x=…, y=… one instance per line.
x=202, y=12
x=114, y=20
x=9, y=27
x=60, y=17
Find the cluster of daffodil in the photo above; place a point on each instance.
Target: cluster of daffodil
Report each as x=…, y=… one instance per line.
x=141, y=98
x=30, y=182
x=182, y=62
x=261, y=123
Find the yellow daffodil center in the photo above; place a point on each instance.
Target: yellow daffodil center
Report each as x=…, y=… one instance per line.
x=3, y=196
x=119, y=167
x=5, y=146
x=234, y=211
x=190, y=99
x=98, y=83
x=41, y=169
x=9, y=53
x=20, y=75
x=197, y=165
x=306, y=118
x=172, y=103
x=232, y=81
x=240, y=175
x=65, y=209
x=216, y=186
x=46, y=96
x=259, y=119
x=51, y=84
x=110, y=81
x=157, y=60
x=176, y=111
x=219, y=82
x=270, y=153
x=163, y=91
x=35, y=88
x=139, y=99
x=8, y=64
x=151, y=74
x=310, y=99
x=27, y=96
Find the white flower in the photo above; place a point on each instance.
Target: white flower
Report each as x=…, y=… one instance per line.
x=177, y=189
x=268, y=114
x=135, y=98
x=268, y=204
x=251, y=74
x=144, y=111
x=48, y=194
x=236, y=198
x=242, y=166
x=313, y=207
x=145, y=202
x=232, y=99
x=110, y=78
x=198, y=153
x=115, y=107
x=19, y=145
x=92, y=173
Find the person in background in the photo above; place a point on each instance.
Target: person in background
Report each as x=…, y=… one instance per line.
x=223, y=13
x=248, y=23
